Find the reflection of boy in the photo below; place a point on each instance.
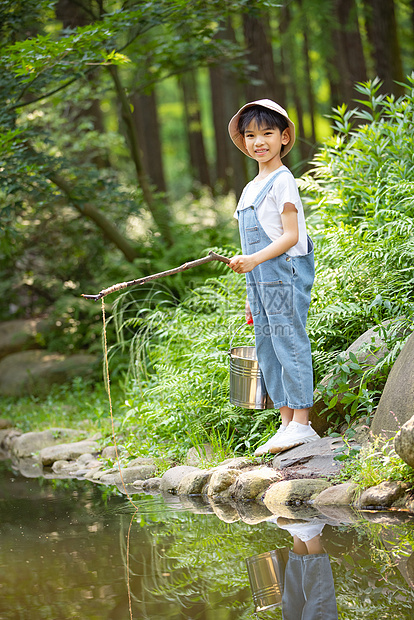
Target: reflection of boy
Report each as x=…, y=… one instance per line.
x=278, y=262
x=308, y=592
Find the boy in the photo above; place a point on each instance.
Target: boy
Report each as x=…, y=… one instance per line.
x=278, y=262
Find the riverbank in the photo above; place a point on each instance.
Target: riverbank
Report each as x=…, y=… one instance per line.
x=287, y=484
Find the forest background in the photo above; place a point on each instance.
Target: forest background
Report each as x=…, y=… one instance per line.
x=115, y=163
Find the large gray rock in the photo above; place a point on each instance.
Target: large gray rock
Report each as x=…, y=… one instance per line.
x=34, y=372
x=20, y=334
x=129, y=475
x=68, y=451
x=194, y=482
x=172, y=477
x=396, y=405
x=339, y=495
x=293, y=492
x=252, y=484
x=310, y=459
x=404, y=442
x=369, y=348
x=221, y=480
x=383, y=495
x=27, y=444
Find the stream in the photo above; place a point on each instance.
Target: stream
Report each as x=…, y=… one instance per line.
x=70, y=549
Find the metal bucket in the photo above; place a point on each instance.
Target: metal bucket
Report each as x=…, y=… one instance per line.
x=247, y=387
x=266, y=572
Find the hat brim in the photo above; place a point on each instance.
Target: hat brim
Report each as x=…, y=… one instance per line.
x=238, y=138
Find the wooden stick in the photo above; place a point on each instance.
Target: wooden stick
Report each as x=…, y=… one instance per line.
x=195, y=263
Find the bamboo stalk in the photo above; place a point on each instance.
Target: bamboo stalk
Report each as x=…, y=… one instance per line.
x=121, y=285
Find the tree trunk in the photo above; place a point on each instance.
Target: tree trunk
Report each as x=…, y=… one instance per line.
x=198, y=158
x=160, y=213
x=289, y=65
x=308, y=75
x=145, y=117
x=263, y=79
x=220, y=121
x=348, y=62
x=231, y=164
x=73, y=15
x=382, y=33
x=88, y=210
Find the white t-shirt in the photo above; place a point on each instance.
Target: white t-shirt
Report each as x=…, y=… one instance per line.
x=269, y=211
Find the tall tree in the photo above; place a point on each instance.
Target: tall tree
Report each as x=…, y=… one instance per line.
x=263, y=76
x=226, y=88
x=198, y=157
x=348, y=61
x=145, y=115
x=382, y=33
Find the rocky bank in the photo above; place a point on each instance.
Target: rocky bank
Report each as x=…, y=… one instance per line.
x=238, y=488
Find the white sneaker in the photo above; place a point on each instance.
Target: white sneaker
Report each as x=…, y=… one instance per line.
x=294, y=435
x=265, y=448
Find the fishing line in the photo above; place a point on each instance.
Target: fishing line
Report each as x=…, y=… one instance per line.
x=108, y=389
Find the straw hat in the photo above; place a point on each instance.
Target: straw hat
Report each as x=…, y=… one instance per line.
x=237, y=137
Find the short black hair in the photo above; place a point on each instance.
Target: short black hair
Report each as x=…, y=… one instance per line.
x=264, y=117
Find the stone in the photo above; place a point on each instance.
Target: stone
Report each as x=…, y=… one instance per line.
x=368, y=348
x=5, y=423
x=312, y=459
x=29, y=443
x=238, y=462
x=396, y=405
x=21, y=334
x=172, y=477
x=109, y=452
x=151, y=484
x=141, y=460
x=383, y=495
x=252, y=484
x=7, y=437
x=197, y=455
x=65, y=467
x=67, y=451
x=404, y=442
x=129, y=475
x=194, y=482
x=338, y=495
x=220, y=481
x=86, y=458
x=34, y=372
x=293, y=492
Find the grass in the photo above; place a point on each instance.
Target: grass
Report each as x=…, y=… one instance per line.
x=80, y=405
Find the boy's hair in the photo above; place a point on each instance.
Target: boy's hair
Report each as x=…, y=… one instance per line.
x=263, y=118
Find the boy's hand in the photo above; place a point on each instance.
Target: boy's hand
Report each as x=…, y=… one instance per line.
x=243, y=263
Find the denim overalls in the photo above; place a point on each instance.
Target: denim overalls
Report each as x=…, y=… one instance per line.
x=279, y=295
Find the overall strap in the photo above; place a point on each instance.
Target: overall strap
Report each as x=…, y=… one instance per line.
x=262, y=193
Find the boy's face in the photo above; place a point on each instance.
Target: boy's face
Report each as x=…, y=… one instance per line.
x=264, y=144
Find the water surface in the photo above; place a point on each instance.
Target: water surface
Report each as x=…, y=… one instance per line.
x=67, y=551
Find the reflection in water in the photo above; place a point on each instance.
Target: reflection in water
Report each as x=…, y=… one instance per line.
x=299, y=579
x=67, y=552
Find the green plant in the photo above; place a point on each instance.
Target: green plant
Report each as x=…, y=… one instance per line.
x=373, y=464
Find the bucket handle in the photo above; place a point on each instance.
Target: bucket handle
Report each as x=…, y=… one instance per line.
x=233, y=336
